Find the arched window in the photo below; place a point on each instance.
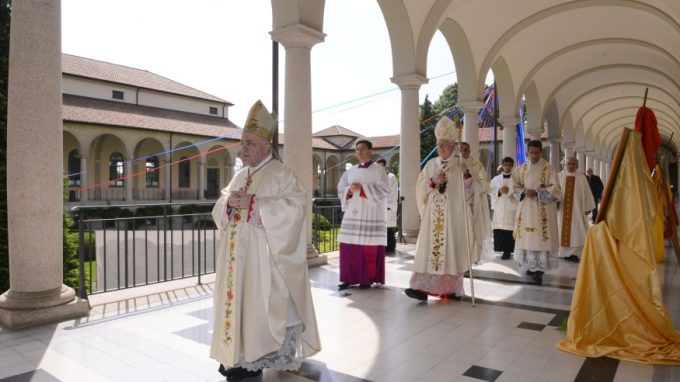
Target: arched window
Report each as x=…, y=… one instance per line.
x=152, y=173
x=184, y=173
x=238, y=164
x=116, y=169
x=73, y=168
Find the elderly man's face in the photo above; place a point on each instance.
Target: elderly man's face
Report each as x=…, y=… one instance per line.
x=572, y=165
x=445, y=148
x=254, y=149
x=589, y=172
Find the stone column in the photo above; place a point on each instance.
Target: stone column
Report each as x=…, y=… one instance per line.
x=409, y=151
x=129, y=180
x=509, y=136
x=555, y=154
x=201, y=178
x=596, y=166
x=534, y=134
x=589, y=160
x=607, y=168
x=167, y=175
x=298, y=41
x=471, y=128
x=83, y=178
x=603, y=169
x=37, y=294
x=568, y=150
x=581, y=156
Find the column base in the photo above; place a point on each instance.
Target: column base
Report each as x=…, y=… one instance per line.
x=313, y=257
x=411, y=235
x=24, y=309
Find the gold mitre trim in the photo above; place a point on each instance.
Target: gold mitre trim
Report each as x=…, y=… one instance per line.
x=446, y=129
x=260, y=122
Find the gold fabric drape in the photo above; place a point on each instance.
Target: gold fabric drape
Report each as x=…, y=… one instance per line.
x=617, y=309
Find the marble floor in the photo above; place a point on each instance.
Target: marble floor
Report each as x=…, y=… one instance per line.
x=162, y=332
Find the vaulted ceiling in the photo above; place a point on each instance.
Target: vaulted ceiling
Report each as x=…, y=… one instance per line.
x=582, y=66
x=589, y=61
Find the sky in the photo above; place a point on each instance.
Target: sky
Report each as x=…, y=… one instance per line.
x=223, y=48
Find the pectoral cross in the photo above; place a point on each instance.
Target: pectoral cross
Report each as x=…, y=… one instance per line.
x=355, y=211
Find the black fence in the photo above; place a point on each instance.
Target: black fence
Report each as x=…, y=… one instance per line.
x=326, y=219
x=125, y=246
x=122, y=247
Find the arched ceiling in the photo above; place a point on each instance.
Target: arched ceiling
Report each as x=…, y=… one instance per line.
x=591, y=60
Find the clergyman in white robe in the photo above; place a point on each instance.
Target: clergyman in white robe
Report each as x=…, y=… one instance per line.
x=537, y=188
x=577, y=201
x=504, y=207
x=481, y=215
x=264, y=316
x=442, y=248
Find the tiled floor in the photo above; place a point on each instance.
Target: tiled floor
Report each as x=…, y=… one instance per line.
x=161, y=333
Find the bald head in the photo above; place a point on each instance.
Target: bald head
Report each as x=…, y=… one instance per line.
x=572, y=164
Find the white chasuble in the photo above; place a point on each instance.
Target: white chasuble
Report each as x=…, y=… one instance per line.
x=442, y=247
x=262, y=268
x=536, y=222
x=578, y=202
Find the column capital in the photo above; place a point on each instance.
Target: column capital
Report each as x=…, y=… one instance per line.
x=471, y=106
x=298, y=36
x=508, y=120
x=409, y=81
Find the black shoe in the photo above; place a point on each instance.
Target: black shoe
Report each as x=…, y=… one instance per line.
x=223, y=370
x=573, y=259
x=506, y=256
x=240, y=373
x=364, y=286
x=343, y=286
x=227, y=372
x=538, y=277
x=416, y=294
x=530, y=273
x=454, y=296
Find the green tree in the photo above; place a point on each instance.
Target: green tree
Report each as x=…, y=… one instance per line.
x=5, y=6
x=447, y=100
x=427, y=121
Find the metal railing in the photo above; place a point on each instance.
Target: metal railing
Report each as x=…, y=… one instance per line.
x=184, y=194
x=125, y=246
x=148, y=193
x=128, y=251
x=105, y=194
x=326, y=219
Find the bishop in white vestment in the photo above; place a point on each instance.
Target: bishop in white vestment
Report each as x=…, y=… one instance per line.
x=572, y=217
x=445, y=235
x=263, y=311
x=537, y=188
